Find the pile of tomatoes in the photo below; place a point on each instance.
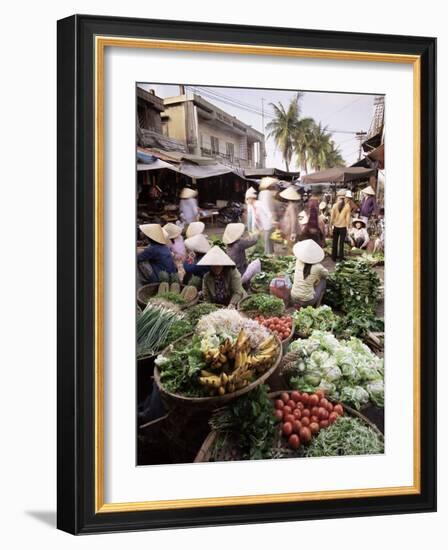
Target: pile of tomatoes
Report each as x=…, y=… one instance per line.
x=303, y=415
x=281, y=326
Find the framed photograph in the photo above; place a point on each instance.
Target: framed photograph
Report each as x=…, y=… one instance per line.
x=246, y=274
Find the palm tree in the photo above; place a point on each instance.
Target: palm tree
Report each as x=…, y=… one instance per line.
x=320, y=147
x=334, y=156
x=303, y=139
x=283, y=127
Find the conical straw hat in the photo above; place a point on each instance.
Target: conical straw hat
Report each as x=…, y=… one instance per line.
x=290, y=194
x=309, y=252
x=349, y=194
x=195, y=228
x=368, y=190
x=216, y=256
x=172, y=230
x=154, y=231
x=188, y=193
x=341, y=193
x=266, y=182
x=233, y=232
x=358, y=220
x=322, y=205
x=251, y=193
x=198, y=243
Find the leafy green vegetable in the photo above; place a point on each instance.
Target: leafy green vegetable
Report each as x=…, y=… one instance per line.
x=180, y=369
x=309, y=318
x=264, y=304
x=171, y=297
x=345, y=369
x=196, y=312
x=250, y=420
x=359, y=325
x=178, y=329
x=348, y=436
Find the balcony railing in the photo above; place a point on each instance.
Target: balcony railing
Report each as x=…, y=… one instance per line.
x=230, y=160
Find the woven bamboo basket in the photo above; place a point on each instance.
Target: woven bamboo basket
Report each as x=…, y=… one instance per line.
x=212, y=402
x=229, y=452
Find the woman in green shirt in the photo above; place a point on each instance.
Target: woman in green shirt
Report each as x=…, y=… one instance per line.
x=222, y=284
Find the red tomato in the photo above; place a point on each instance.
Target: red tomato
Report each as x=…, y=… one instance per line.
x=305, y=398
x=320, y=393
x=324, y=424
x=314, y=410
x=324, y=402
x=297, y=413
x=289, y=418
x=333, y=417
x=313, y=401
x=329, y=407
x=314, y=418
x=305, y=434
x=295, y=396
x=278, y=414
x=296, y=425
x=314, y=427
x=291, y=404
x=322, y=414
x=306, y=412
x=294, y=441
x=300, y=406
x=305, y=421
x=284, y=397
x=279, y=404
x=287, y=428
x=339, y=409
x=287, y=410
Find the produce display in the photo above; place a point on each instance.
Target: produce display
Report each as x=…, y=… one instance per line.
x=353, y=287
x=153, y=327
x=169, y=297
x=347, y=437
x=304, y=415
x=260, y=282
x=271, y=267
x=264, y=304
x=309, y=318
x=376, y=258
x=226, y=353
x=345, y=369
x=281, y=326
x=194, y=313
x=246, y=426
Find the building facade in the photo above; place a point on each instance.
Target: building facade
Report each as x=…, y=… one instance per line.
x=209, y=131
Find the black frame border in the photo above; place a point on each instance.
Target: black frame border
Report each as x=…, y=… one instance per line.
x=75, y=272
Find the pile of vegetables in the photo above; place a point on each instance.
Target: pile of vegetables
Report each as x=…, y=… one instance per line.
x=303, y=416
x=375, y=258
x=264, y=304
x=260, y=281
x=226, y=353
x=247, y=425
x=153, y=328
x=347, y=437
x=309, y=318
x=353, y=287
x=345, y=369
x=271, y=267
x=194, y=313
x=281, y=326
x=170, y=297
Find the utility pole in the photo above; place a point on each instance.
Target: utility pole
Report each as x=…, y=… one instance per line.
x=360, y=136
x=262, y=115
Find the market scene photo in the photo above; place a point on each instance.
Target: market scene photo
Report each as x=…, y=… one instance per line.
x=260, y=253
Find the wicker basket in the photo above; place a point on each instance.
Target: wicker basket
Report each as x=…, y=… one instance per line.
x=146, y=292
x=213, y=402
x=205, y=453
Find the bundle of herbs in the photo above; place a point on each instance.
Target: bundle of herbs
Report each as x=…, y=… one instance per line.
x=263, y=304
x=248, y=423
x=153, y=327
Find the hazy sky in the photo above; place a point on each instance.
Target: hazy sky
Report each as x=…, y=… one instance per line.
x=341, y=113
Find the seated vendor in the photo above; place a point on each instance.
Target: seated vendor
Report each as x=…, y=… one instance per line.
x=358, y=235
x=236, y=245
x=156, y=257
x=222, y=284
x=309, y=275
x=197, y=246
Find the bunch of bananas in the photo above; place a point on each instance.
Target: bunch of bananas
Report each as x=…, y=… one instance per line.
x=235, y=364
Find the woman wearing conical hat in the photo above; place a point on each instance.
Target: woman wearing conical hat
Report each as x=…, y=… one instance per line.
x=222, y=284
x=156, y=257
x=176, y=241
x=290, y=222
x=309, y=275
x=358, y=236
x=197, y=246
x=236, y=246
x=188, y=207
x=368, y=204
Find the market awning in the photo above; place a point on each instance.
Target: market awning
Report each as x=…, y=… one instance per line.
x=199, y=172
x=156, y=165
x=341, y=174
x=257, y=173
